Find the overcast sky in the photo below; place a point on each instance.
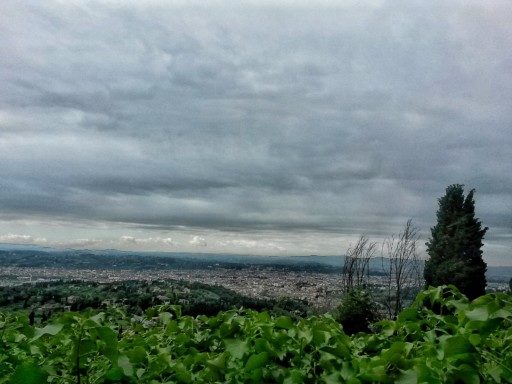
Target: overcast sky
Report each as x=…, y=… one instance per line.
x=255, y=129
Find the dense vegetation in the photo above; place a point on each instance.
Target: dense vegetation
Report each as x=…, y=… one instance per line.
x=41, y=300
x=441, y=338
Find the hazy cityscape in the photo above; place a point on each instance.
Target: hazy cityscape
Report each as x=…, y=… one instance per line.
x=322, y=290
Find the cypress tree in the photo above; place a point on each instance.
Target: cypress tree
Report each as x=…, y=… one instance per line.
x=455, y=245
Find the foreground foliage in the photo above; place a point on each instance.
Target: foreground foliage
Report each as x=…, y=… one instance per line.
x=441, y=338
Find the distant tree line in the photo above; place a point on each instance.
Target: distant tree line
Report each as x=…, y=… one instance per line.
x=44, y=299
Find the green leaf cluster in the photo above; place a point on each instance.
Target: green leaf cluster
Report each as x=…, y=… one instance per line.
x=441, y=338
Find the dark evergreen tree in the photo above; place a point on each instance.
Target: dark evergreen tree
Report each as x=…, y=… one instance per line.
x=357, y=311
x=455, y=246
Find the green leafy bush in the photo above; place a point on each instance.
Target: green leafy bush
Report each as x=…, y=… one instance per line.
x=357, y=312
x=441, y=338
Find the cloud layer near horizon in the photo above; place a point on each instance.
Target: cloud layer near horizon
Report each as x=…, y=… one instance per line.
x=252, y=122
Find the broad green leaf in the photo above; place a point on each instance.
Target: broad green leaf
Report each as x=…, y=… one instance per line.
x=98, y=318
x=456, y=345
x=502, y=313
x=236, y=348
x=218, y=362
x=182, y=373
x=408, y=377
x=50, y=329
x=333, y=378
x=467, y=375
x=256, y=361
x=478, y=314
x=28, y=373
x=374, y=374
x=109, y=337
x=495, y=372
x=320, y=337
x=347, y=372
x=387, y=327
x=408, y=314
x=426, y=374
x=255, y=375
x=306, y=335
x=474, y=339
x=283, y=322
x=165, y=317
x=140, y=372
x=294, y=376
x=124, y=363
x=35, y=350
x=262, y=345
x=114, y=375
x=137, y=355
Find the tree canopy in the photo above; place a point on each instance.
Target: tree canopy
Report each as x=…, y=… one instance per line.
x=455, y=245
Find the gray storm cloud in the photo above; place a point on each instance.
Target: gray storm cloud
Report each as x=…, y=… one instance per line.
x=327, y=118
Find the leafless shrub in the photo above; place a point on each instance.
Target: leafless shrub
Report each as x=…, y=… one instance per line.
x=403, y=271
x=356, y=268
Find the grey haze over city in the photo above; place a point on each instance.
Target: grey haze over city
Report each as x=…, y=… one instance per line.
x=266, y=128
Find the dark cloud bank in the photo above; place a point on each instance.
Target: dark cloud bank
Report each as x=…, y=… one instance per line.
x=327, y=119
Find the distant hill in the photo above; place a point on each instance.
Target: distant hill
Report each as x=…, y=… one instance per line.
x=112, y=259
x=22, y=255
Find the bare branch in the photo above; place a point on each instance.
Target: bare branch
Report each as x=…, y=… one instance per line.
x=403, y=271
x=356, y=267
